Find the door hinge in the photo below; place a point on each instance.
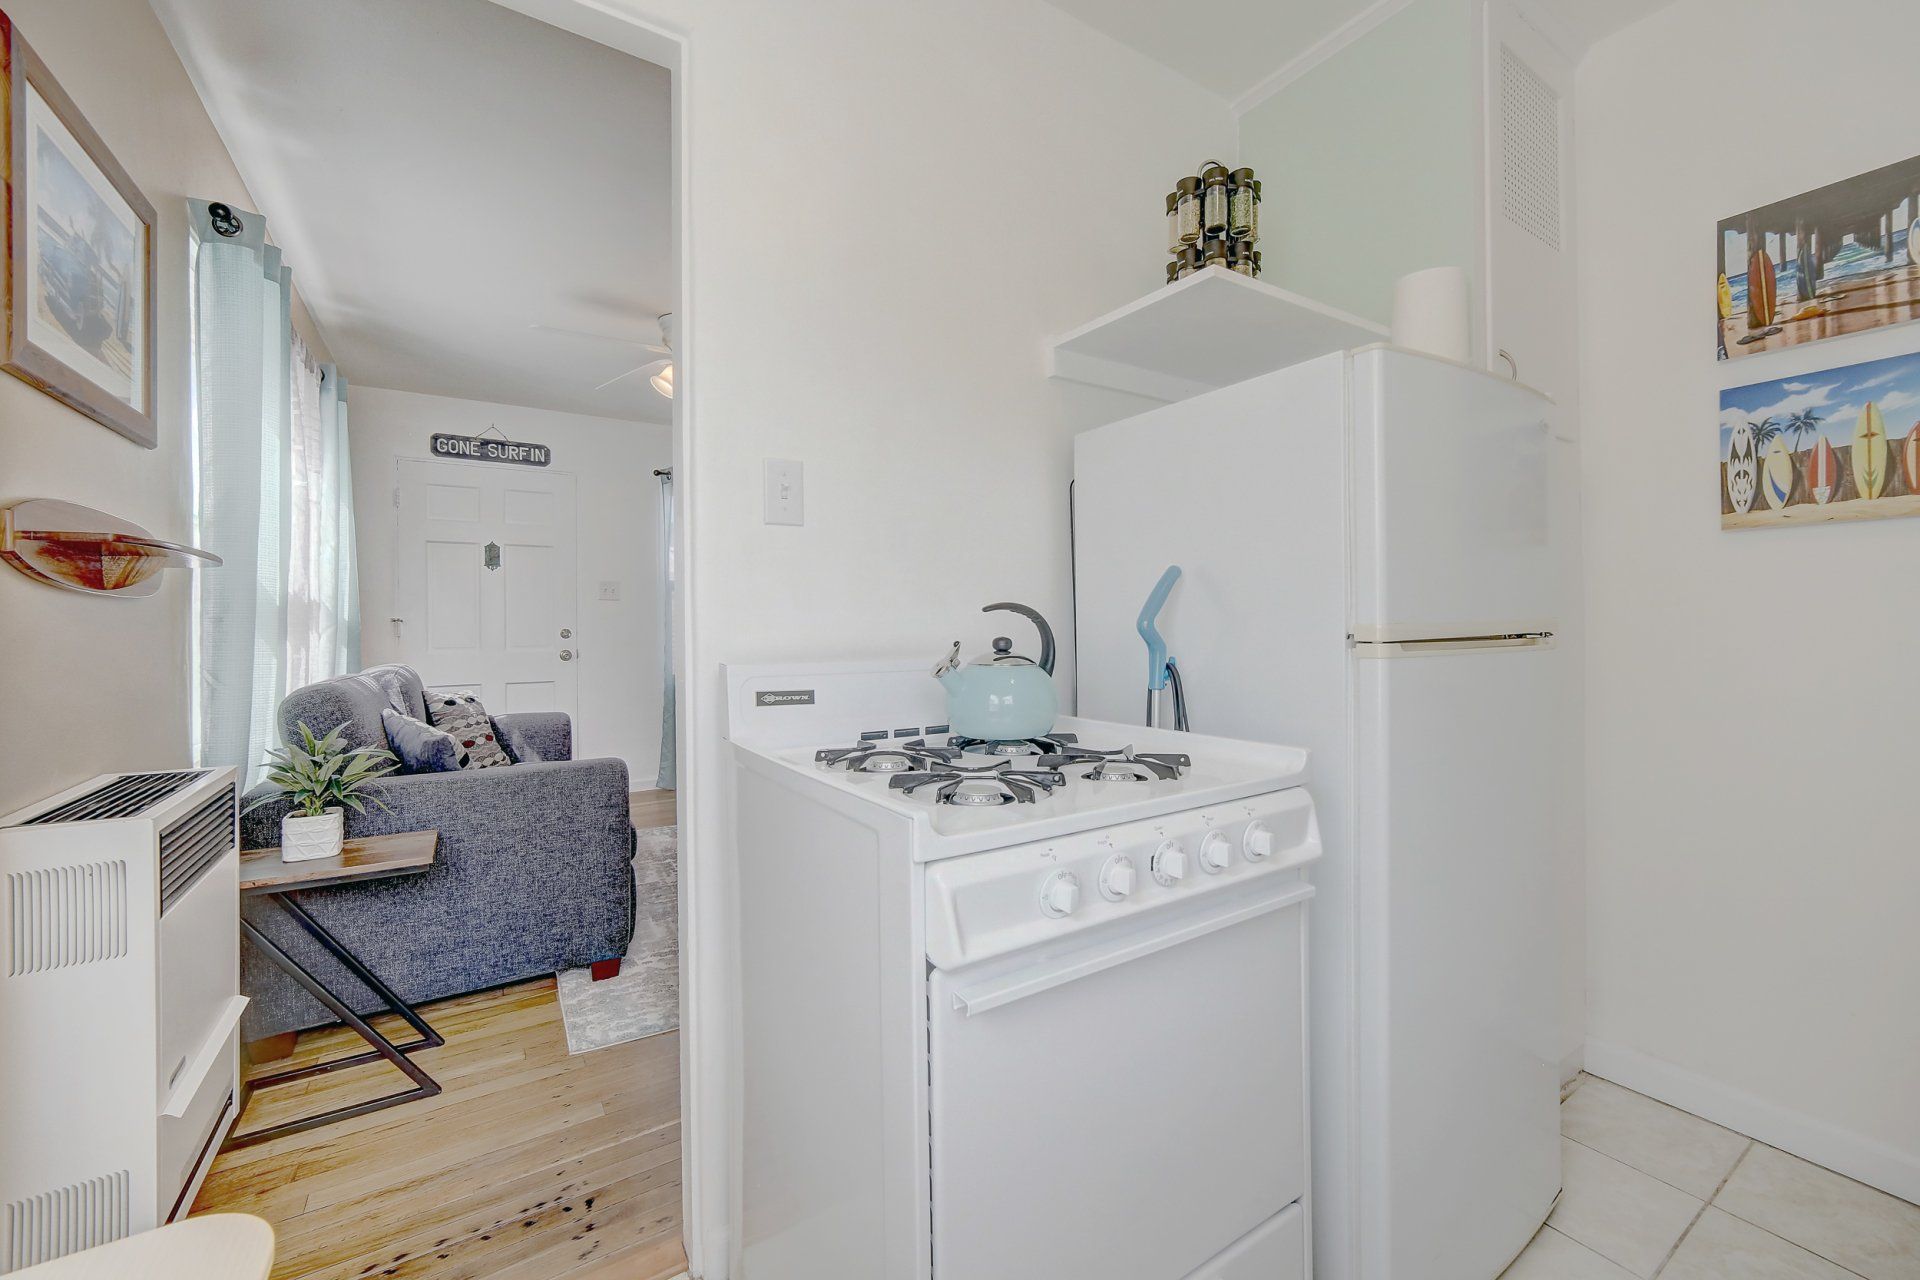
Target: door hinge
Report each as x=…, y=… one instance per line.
x=396, y=495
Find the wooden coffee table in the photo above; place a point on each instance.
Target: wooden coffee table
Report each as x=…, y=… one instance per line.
x=264, y=875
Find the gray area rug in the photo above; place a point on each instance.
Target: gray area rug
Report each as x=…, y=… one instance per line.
x=645, y=999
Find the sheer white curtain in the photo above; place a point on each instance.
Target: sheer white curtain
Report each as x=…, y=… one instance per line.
x=323, y=622
x=271, y=497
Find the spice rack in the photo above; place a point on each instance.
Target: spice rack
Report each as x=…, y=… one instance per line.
x=1210, y=330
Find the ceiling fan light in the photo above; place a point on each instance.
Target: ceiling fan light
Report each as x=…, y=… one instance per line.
x=663, y=382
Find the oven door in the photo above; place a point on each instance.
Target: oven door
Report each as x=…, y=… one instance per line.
x=1125, y=1104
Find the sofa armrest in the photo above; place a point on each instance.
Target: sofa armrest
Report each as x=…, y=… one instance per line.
x=531, y=736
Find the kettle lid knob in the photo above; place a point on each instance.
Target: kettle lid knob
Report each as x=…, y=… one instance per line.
x=1002, y=645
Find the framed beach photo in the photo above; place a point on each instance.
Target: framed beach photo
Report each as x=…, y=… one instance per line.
x=79, y=316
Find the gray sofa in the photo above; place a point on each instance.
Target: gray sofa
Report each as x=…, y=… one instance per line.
x=534, y=873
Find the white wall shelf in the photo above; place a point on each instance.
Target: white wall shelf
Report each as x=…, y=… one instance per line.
x=1208, y=331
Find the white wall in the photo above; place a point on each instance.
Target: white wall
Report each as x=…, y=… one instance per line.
x=1368, y=162
x=1752, y=865
x=104, y=683
x=893, y=205
x=619, y=521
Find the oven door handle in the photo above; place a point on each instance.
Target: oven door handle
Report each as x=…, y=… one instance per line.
x=1005, y=986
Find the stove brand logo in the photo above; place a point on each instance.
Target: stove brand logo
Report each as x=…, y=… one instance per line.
x=784, y=698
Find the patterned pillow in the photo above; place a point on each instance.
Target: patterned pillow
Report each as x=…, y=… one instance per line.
x=461, y=715
x=421, y=747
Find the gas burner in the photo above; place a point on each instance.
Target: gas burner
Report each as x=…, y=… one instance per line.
x=981, y=787
x=1052, y=744
x=921, y=747
x=868, y=757
x=1122, y=765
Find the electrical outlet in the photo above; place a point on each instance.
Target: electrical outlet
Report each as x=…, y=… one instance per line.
x=609, y=591
x=786, y=492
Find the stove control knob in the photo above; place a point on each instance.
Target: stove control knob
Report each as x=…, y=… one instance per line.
x=1216, y=851
x=1116, y=878
x=1060, y=896
x=1169, y=863
x=1258, y=842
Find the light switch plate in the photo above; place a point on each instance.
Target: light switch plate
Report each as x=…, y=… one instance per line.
x=786, y=492
x=609, y=591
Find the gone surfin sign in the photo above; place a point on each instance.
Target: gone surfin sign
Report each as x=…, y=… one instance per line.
x=491, y=449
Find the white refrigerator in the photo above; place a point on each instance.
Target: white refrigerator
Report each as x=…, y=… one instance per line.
x=1367, y=569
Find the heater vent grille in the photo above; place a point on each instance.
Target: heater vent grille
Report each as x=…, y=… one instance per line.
x=194, y=843
x=125, y=796
x=58, y=917
x=65, y=1220
x=1529, y=150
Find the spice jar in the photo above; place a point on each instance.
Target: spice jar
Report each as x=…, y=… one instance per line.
x=1242, y=258
x=1254, y=222
x=1213, y=199
x=1186, y=210
x=1173, y=268
x=1216, y=254
x=1186, y=262
x=1173, y=222
x=1256, y=264
x=1240, y=204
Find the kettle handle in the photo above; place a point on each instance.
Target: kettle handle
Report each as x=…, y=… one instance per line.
x=1033, y=616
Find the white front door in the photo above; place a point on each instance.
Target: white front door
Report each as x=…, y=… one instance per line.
x=483, y=582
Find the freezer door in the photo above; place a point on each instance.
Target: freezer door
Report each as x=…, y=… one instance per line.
x=1451, y=535
x=1460, y=1142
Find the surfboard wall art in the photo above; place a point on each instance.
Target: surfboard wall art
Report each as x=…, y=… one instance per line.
x=1842, y=444
x=1821, y=264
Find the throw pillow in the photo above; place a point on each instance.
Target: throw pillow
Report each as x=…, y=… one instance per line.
x=421, y=747
x=461, y=715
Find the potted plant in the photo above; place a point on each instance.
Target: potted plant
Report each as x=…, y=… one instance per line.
x=322, y=779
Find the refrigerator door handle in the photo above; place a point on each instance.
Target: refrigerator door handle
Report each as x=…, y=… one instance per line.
x=1451, y=644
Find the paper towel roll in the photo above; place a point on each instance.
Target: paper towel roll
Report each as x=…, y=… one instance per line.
x=1433, y=313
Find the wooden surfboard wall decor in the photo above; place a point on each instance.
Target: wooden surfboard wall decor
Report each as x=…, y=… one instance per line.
x=1870, y=453
x=1822, y=472
x=1778, y=474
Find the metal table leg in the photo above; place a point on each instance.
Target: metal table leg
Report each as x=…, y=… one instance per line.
x=425, y=1086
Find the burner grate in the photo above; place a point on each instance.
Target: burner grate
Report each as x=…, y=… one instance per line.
x=984, y=787
x=1123, y=765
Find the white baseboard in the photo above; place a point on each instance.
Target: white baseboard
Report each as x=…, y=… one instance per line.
x=1573, y=1063
x=1857, y=1156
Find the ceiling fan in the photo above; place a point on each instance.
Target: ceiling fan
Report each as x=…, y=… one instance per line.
x=660, y=372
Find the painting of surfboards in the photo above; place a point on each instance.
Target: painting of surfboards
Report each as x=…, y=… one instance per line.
x=1777, y=474
x=1848, y=247
x=1762, y=290
x=1816, y=447
x=1870, y=453
x=1823, y=472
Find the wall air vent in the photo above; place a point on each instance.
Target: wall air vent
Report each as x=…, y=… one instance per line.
x=123, y=797
x=65, y=1220
x=1529, y=150
x=58, y=917
x=194, y=843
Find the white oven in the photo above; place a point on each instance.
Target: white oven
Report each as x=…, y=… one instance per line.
x=1130, y=1104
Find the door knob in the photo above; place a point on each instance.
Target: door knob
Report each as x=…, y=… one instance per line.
x=566, y=655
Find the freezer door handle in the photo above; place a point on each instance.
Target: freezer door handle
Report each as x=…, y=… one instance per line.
x=1003, y=987
x=1452, y=644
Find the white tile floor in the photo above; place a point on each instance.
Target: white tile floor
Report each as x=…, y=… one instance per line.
x=1654, y=1192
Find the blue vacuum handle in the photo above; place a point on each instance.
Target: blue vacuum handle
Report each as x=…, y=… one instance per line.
x=1156, y=646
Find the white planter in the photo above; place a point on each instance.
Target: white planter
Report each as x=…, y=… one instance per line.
x=303, y=839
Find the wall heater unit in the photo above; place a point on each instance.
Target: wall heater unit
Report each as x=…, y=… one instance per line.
x=119, y=1006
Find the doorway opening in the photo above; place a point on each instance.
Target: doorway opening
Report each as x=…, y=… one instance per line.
x=485, y=239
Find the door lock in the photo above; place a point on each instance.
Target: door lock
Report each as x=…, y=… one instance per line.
x=566, y=633
x=566, y=655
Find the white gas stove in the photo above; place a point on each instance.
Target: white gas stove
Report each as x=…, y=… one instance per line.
x=1014, y=1009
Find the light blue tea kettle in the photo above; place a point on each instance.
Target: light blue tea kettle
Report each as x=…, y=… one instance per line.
x=1001, y=696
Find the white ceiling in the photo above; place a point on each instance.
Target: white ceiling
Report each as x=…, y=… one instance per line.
x=445, y=175
x=1235, y=47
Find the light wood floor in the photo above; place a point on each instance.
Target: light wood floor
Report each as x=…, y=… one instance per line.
x=654, y=808
x=532, y=1165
